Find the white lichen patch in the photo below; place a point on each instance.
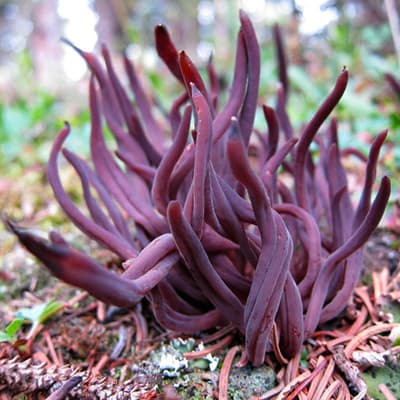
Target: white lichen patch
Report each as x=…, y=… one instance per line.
x=183, y=345
x=212, y=362
x=171, y=361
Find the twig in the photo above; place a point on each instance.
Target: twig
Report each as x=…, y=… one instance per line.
x=350, y=371
x=63, y=391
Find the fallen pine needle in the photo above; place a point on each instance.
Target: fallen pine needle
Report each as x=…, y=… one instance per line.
x=363, y=293
x=330, y=391
x=358, y=323
x=386, y=392
x=100, y=365
x=224, y=374
x=365, y=334
x=296, y=385
x=217, y=335
x=52, y=350
x=318, y=386
x=190, y=355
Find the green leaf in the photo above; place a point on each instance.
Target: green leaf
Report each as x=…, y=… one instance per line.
x=39, y=314
x=8, y=335
x=14, y=326
x=4, y=337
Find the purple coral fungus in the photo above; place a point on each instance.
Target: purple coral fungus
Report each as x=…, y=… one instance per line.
x=220, y=238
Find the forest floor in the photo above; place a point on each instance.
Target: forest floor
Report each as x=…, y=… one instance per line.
x=73, y=346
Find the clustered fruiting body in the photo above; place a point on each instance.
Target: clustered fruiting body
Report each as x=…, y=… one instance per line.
x=220, y=237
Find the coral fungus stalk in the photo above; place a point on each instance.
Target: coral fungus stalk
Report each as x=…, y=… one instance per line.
x=219, y=237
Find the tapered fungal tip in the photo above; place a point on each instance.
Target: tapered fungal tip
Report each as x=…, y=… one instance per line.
x=345, y=72
x=66, y=41
x=173, y=207
x=104, y=49
x=242, y=14
x=161, y=29
x=37, y=245
x=18, y=231
x=344, y=76
x=386, y=183
x=10, y=225
x=183, y=55
x=64, y=132
x=161, y=35
x=383, y=135
x=73, y=46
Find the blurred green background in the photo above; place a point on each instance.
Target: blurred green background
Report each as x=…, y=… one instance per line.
x=43, y=82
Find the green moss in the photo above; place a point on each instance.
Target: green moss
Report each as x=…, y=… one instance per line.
x=390, y=376
x=197, y=385
x=247, y=381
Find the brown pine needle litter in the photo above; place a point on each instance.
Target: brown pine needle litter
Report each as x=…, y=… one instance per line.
x=328, y=372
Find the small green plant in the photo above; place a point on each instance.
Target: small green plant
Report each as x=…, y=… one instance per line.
x=10, y=332
x=39, y=314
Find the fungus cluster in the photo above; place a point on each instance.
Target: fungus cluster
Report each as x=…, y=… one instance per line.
x=231, y=225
